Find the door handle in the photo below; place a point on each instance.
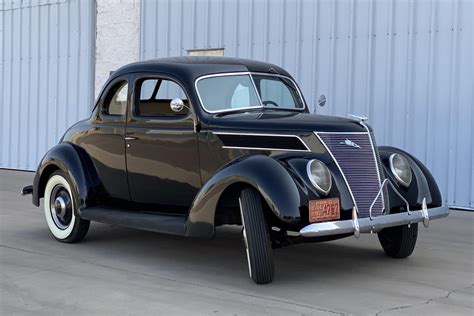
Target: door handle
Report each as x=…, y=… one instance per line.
x=130, y=138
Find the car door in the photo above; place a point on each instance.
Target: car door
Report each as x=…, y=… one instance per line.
x=161, y=147
x=104, y=141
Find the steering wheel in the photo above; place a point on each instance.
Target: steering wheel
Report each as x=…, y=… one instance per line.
x=269, y=102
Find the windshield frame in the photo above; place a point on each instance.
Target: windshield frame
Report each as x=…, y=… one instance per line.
x=249, y=73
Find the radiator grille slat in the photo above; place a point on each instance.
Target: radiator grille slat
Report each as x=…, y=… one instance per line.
x=359, y=166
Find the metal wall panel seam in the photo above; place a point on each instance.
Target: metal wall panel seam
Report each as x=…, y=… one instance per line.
x=282, y=33
x=266, y=30
x=29, y=101
x=368, y=92
x=298, y=39
x=18, y=106
x=58, y=55
x=388, y=75
x=236, y=29
x=168, y=29
x=220, y=34
x=141, y=31
x=208, y=24
x=409, y=73
x=350, y=59
x=155, y=33
x=194, y=24
x=453, y=105
x=332, y=52
x=181, y=27
x=2, y=84
x=48, y=83
x=66, y=99
x=315, y=55
x=38, y=76
x=92, y=49
x=428, y=154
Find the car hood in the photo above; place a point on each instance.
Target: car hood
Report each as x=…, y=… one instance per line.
x=283, y=121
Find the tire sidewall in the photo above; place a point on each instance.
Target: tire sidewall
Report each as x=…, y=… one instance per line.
x=58, y=178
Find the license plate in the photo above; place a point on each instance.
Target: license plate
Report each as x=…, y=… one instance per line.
x=324, y=210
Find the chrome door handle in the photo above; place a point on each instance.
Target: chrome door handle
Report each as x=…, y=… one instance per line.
x=130, y=138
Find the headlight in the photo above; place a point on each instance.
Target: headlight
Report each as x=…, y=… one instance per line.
x=319, y=176
x=401, y=169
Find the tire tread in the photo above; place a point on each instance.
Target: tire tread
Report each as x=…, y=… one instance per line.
x=258, y=236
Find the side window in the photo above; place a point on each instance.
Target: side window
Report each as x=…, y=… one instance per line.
x=116, y=100
x=154, y=97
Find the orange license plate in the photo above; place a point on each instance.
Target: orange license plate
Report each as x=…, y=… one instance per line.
x=324, y=210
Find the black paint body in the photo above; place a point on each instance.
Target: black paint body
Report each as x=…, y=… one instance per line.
x=182, y=166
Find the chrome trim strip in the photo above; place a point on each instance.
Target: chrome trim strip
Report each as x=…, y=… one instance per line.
x=263, y=148
x=256, y=91
x=375, y=160
x=340, y=170
x=263, y=134
x=367, y=225
x=238, y=73
x=355, y=133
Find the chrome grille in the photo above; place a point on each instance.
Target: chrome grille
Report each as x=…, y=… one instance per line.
x=357, y=160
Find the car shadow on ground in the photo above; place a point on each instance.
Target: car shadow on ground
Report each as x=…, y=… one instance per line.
x=181, y=258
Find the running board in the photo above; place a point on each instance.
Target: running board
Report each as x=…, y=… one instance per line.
x=168, y=224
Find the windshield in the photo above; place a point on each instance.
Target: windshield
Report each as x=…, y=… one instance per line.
x=220, y=93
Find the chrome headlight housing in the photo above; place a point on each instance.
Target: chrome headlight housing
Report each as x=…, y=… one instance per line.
x=319, y=176
x=401, y=169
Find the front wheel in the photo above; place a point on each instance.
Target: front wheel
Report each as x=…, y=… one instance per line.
x=256, y=237
x=399, y=241
x=59, y=210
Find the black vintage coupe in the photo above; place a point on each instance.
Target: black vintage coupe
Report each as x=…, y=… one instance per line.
x=183, y=145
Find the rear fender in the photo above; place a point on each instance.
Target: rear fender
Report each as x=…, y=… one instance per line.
x=263, y=173
x=75, y=162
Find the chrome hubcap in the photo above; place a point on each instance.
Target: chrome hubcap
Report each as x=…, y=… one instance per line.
x=61, y=207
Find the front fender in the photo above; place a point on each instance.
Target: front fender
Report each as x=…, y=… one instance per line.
x=265, y=174
x=423, y=184
x=73, y=161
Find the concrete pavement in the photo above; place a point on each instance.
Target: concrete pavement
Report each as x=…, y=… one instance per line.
x=123, y=271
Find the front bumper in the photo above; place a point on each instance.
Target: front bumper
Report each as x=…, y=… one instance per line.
x=375, y=224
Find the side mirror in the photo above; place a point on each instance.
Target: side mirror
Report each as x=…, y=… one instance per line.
x=322, y=100
x=176, y=105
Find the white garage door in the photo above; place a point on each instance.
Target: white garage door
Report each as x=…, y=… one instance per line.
x=46, y=75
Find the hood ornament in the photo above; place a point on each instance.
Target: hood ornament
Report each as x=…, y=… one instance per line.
x=349, y=142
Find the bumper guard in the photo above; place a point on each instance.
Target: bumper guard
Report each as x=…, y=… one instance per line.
x=375, y=224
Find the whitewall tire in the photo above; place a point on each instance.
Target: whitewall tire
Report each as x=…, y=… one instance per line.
x=59, y=209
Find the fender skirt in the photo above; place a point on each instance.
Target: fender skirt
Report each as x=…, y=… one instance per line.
x=265, y=174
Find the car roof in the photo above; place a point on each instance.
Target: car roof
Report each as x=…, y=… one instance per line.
x=192, y=67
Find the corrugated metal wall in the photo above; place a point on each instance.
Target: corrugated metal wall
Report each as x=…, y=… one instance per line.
x=47, y=78
x=407, y=65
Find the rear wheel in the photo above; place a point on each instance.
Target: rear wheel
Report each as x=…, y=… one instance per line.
x=399, y=241
x=59, y=210
x=256, y=237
